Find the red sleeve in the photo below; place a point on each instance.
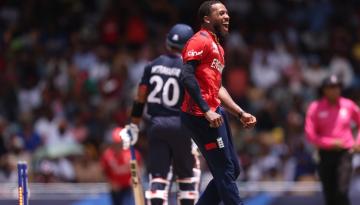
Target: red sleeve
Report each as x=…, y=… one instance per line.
x=195, y=49
x=104, y=163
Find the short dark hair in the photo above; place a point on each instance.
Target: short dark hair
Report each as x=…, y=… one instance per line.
x=205, y=9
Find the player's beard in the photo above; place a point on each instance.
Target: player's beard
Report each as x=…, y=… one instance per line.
x=219, y=33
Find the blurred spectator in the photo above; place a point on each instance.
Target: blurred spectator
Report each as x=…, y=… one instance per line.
x=84, y=57
x=57, y=72
x=264, y=73
x=294, y=76
x=5, y=170
x=29, y=94
x=110, y=28
x=46, y=172
x=60, y=135
x=101, y=69
x=45, y=124
x=87, y=167
x=79, y=129
x=8, y=170
x=136, y=31
x=136, y=68
x=305, y=166
x=9, y=163
x=237, y=83
x=266, y=167
x=314, y=73
x=342, y=67
x=64, y=170
x=30, y=138
x=3, y=148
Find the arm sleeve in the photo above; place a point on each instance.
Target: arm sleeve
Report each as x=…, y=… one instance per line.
x=195, y=49
x=310, y=125
x=191, y=85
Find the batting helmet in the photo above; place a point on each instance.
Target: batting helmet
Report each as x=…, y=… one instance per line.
x=115, y=135
x=179, y=35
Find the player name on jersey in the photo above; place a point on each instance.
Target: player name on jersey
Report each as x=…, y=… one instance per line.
x=160, y=69
x=217, y=65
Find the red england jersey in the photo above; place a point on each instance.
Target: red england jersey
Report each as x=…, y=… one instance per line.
x=205, y=48
x=116, y=165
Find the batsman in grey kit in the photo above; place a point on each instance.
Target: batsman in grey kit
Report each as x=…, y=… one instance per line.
x=161, y=91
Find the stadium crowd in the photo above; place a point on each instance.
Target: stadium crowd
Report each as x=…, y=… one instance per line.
x=69, y=70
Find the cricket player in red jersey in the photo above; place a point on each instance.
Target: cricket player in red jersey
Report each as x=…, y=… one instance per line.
x=115, y=162
x=202, y=116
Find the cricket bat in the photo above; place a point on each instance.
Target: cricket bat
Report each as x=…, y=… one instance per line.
x=137, y=187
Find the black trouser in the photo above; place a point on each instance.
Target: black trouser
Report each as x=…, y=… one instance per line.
x=169, y=146
x=118, y=197
x=217, y=148
x=335, y=172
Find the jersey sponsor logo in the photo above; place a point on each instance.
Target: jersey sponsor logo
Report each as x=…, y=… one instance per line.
x=220, y=142
x=217, y=65
x=193, y=53
x=160, y=69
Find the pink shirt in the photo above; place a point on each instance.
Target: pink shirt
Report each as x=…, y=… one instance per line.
x=326, y=123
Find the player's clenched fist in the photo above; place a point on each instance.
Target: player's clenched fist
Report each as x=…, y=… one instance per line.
x=214, y=118
x=247, y=120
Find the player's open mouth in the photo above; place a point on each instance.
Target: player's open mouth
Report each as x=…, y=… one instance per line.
x=226, y=26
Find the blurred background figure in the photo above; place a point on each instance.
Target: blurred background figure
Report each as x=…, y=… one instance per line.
x=115, y=162
x=328, y=127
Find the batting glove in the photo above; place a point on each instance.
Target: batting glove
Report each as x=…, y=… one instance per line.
x=129, y=135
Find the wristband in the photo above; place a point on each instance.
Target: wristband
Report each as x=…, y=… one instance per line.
x=137, y=109
x=241, y=114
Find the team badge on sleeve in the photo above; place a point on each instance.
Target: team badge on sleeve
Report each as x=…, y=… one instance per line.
x=193, y=53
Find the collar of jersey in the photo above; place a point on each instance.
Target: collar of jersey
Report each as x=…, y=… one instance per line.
x=328, y=103
x=212, y=34
x=175, y=54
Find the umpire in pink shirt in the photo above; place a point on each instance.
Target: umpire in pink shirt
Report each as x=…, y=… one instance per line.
x=328, y=127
